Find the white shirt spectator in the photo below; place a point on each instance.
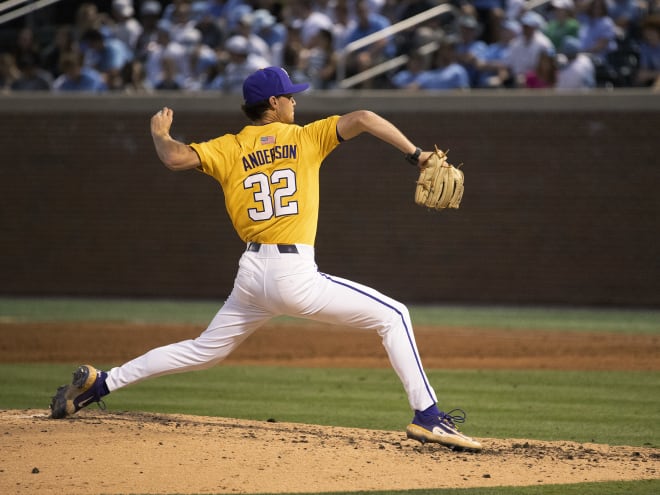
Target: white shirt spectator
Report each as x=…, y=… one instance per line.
x=231, y=80
x=514, y=9
x=127, y=28
x=576, y=70
x=256, y=44
x=241, y=64
x=313, y=24
x=526, y=48
x=163, y=47
x=198, y=59
x=578, y=73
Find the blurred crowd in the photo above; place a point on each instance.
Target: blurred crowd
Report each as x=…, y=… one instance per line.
x=198, y=45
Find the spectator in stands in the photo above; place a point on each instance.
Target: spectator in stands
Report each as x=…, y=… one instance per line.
x=408, y=40
x=293, y=46
x=149, y=15
x=213, y=32
x=220, y=9
x=33, y=77
x=494, y=71
x=404, y=9
x=63, y=42
x=312, y=20
x=135, y=78
x=423, y=37
x=171, y=6
x=576, y=70
x=199, y=59
x=325, y=7
x=515, y=9
x=9, y=72
x=235, y=10
x=192, y=59
x=627, y=15
x=470, y=50
x=343, y=22
x=544, y=76
x=489, y=13
x=320, y=61
x=416, y=65
x=171, y=79
x=107, y=55
x=76, y=77
x=605, y=28
x=125, y=26
x=446, y=72
x=87, y=17
x=562, y=22
x=26, y=45
x=377, y=6
x=597, y=30
x=181, y=20
x=273, y=32
x=156, y=50
x=368, y=23
x=241, y=64
x=256, y=45
x=295, y=56
x=648, y=73
x=527, y=48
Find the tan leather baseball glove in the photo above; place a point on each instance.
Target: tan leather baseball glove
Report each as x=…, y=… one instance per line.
x=440, y=184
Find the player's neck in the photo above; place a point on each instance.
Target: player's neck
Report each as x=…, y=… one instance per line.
x=270, y=117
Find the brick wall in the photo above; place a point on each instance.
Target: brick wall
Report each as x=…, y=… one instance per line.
x=561, y=203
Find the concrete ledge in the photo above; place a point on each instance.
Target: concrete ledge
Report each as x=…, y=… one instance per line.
x=331, y=102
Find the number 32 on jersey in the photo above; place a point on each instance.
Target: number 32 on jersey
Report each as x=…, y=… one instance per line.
x=272, y=195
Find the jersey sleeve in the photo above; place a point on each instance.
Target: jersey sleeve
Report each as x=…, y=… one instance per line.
x=214, y=155
x=324, y=134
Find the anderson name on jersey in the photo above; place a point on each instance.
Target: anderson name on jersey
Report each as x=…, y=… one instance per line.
x=264, y=157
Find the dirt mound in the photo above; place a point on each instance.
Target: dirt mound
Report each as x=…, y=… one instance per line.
x=99, y=452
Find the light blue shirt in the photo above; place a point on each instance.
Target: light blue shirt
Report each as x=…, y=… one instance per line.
x=89, y=80
x=593, y=30
x=453, y=76
x=376, y=23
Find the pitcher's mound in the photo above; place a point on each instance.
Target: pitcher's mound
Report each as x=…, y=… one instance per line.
x=112, y=453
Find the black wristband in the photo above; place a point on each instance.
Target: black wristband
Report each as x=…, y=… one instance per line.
x=413, y=158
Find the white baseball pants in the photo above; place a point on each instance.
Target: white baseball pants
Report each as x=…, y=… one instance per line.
x=270, y=283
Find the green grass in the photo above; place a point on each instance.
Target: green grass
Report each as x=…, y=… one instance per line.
x=112, y=310
x=541, y=318
x=619, y=408
x=201, y=312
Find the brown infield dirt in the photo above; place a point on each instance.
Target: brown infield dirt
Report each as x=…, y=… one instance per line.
x=105, y=452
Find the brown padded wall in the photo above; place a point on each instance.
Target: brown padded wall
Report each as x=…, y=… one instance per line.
x=560, y=207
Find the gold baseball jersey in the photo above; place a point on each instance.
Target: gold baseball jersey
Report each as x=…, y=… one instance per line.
x=270, y=178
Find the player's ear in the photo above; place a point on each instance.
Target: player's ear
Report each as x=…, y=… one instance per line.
x=273, y=101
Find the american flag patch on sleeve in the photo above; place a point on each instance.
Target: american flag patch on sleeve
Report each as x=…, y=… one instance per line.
x=267, y=139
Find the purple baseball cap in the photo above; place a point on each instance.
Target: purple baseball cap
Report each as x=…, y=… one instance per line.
x=271, y=81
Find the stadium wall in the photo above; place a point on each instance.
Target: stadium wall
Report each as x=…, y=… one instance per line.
x=561, y=203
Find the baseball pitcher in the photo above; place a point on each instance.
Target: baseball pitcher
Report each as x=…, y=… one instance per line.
x=269, y=172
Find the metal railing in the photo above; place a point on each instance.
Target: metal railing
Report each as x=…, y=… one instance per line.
x=343, y=82
x=31, y=7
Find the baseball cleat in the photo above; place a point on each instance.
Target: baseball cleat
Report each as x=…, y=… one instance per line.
x=442, y=429
x=87, y=386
